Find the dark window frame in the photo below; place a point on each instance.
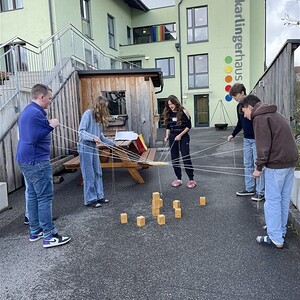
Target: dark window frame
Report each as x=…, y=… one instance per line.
x=111, y=31
x=154, y=33
x=193, y=27
x=169, y=61
x=85, y=12
x=133, y=64
x=129, y=35
x=194, y=74
x=15, y=4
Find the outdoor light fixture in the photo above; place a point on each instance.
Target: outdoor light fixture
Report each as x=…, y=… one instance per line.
x=177, y=46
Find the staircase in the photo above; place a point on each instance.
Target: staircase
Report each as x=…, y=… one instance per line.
x=50, y=63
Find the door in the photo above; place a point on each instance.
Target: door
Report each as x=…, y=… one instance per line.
x=161, y=103
x=201, y=105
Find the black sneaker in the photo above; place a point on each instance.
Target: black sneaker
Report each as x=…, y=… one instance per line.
x=245, y=193
x=104, y=200
x=94, y=204
x=26, y=221
x=258, y=198
x=54, y=240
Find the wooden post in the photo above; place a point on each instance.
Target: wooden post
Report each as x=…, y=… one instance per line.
x=176, y=204
x=161, y=219
x=202, y=201
x=177, y=213
x=140, y=221
x=124, y=218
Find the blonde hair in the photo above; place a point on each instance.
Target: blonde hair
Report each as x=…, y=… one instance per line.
x=100, y=110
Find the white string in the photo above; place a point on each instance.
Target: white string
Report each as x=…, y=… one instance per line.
x=208, y=148
x=233, y=144
x=136, y=157
x=214, y=154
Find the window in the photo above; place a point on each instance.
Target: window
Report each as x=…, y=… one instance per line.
x=85, y=17
x=128, y=35
x=167, y=66
x=111, y=31
x=19, y=57
x=6, y=5
x=198, y=71
x=133, y=64
x=113, y=63
x=91, y=59
x=197, y=27
x=116, y=102
x=155, y=33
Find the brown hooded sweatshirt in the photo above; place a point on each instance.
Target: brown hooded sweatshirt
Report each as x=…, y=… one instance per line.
x=275, y=142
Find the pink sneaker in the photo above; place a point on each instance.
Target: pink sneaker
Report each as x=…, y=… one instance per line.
x=191, y=184
x=177, y=183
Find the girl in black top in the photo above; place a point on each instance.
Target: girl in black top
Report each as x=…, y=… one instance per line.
x=178, y=123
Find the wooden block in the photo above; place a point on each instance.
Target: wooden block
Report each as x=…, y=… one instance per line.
x=177, y=213
x=156, y=203
x=176, y=204
x=140, y=221
x=156, y=200
x=155, y=211
x=124, y=218
x=161, y=219
x=202, y=201
x=155, y=195
x=161, y=203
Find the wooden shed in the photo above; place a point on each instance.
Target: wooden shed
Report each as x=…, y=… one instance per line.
x=131, y=94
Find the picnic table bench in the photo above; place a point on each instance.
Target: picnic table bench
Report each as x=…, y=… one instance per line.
x=124, y=157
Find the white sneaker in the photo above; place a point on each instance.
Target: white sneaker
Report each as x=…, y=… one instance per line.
x=54, y=240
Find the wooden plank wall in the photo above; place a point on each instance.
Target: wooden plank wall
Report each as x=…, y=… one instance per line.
x=9, y=170
x=277, y=85
x=65, y=107
x=140, y=99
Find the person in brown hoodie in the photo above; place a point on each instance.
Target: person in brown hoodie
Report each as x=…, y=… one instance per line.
x=277, y=154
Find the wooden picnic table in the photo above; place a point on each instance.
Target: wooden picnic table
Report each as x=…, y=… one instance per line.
x=124, y=155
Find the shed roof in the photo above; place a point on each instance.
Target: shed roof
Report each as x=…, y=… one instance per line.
x=156, y=75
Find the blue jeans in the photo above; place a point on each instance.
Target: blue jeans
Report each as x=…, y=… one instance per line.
x=91, y=172
x=279, y=183
x=252, y=184
x=39, y=193
x=26, y=200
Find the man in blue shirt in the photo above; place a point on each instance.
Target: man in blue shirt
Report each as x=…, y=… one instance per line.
x=33, y=157
x=254, y=188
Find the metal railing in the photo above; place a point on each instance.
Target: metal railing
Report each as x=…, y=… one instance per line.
x=25, y=64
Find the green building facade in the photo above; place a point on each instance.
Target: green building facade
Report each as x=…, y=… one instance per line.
x=202, y=46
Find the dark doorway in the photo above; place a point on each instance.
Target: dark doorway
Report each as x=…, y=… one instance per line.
x=161, y=103
x=201, y=104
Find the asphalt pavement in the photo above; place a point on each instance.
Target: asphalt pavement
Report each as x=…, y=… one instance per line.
x=210, y=253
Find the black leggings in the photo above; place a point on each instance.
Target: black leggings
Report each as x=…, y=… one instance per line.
x=184, y=147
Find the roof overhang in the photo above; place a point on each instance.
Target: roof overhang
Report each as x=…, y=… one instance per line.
x=137, y=4
x=156, y=75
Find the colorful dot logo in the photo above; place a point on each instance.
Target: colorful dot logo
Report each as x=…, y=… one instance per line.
x=228, y=77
